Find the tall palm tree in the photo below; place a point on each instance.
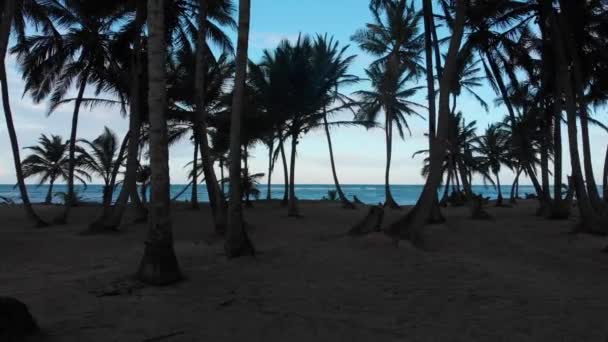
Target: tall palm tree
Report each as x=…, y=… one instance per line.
x=391, y=95
x=327, y=52
x=104, y=158
x=410, y=226
x=159, y=264
x=220, y=10
x=492, y=147
x=53, y=62
x=14, y=14
x=237, y=242
x=49, y=162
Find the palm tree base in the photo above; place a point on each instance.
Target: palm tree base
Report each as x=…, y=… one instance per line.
x=239, y=246
x=391, y=204
x=159, y=265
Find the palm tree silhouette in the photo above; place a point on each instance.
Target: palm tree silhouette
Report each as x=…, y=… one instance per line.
x=390, y=95
x=104, y=158
x=14, y=15
x=49, y=162
x=79, y=54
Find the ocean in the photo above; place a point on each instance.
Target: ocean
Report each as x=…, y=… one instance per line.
x=368, y=193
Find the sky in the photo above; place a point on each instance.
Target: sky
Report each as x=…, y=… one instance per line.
x=359, y=153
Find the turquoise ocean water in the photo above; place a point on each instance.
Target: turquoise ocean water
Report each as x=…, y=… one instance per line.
x=368, y=193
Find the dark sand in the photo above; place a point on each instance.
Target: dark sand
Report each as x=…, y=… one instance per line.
x=517, y=278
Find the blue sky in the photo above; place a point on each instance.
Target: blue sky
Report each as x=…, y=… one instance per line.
x=360, y=154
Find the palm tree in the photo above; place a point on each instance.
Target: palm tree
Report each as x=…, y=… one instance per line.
x=394, y=35
x=409, y=227
x=492, y=147
x=14, y=14
x=327, y=53
x=50, y=163
x=104, y=159
x=390, y=94
x=237, y=242
x=221, y=10
x=159, y=264
x=53, y=62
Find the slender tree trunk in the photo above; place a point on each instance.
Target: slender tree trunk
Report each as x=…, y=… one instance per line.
x=223, y=180
x=499, y=200
x=237, y=242
x=246, y=174
x=589, y=219
x=285, y=200
x=427, y=10
x=579, y=94
x=216, y=198
x=557, y=155
x=345, y=202
x=159, y=265
x=389, y=200
x=544, y=166
x=129, y=186
x=292, y=209
x=62, y=219
x=49, y=194
x=270, y=167
x=5, y=29
x=512, y=196
x=410, y=226
x=194, y=197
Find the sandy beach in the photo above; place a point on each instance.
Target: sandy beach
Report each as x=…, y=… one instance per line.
x=516, y=278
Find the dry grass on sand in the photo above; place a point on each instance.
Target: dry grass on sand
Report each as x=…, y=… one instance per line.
x=517, y=278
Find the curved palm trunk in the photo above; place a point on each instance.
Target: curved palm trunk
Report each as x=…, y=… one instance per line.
x=5, y=29
x=588, y=217
x=345, y=202
x=62, y=219
x=216, y=197
x=194, y=197
x=129, y=185
x=285, y=200
x=49, y=194
x=270, y=167
x=578, y=92
x=410, y=226
x=159, y=265
x=513, y=196
x=237, y=242
x=544, y=165
x=292, y=209
x=389, y=200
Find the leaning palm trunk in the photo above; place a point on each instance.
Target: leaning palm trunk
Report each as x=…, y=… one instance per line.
x=513, y=195
x=410, y=226
x=389, y=200
x=5, y=27
x=49, y=194
x=194, y=197
x=270, y=167
x=292, y=205
x=159, y=265
x=237, y=242
x=594, y=196
x=590, y=221
x=69, y=202
x=345, y=202
x=216, y=197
